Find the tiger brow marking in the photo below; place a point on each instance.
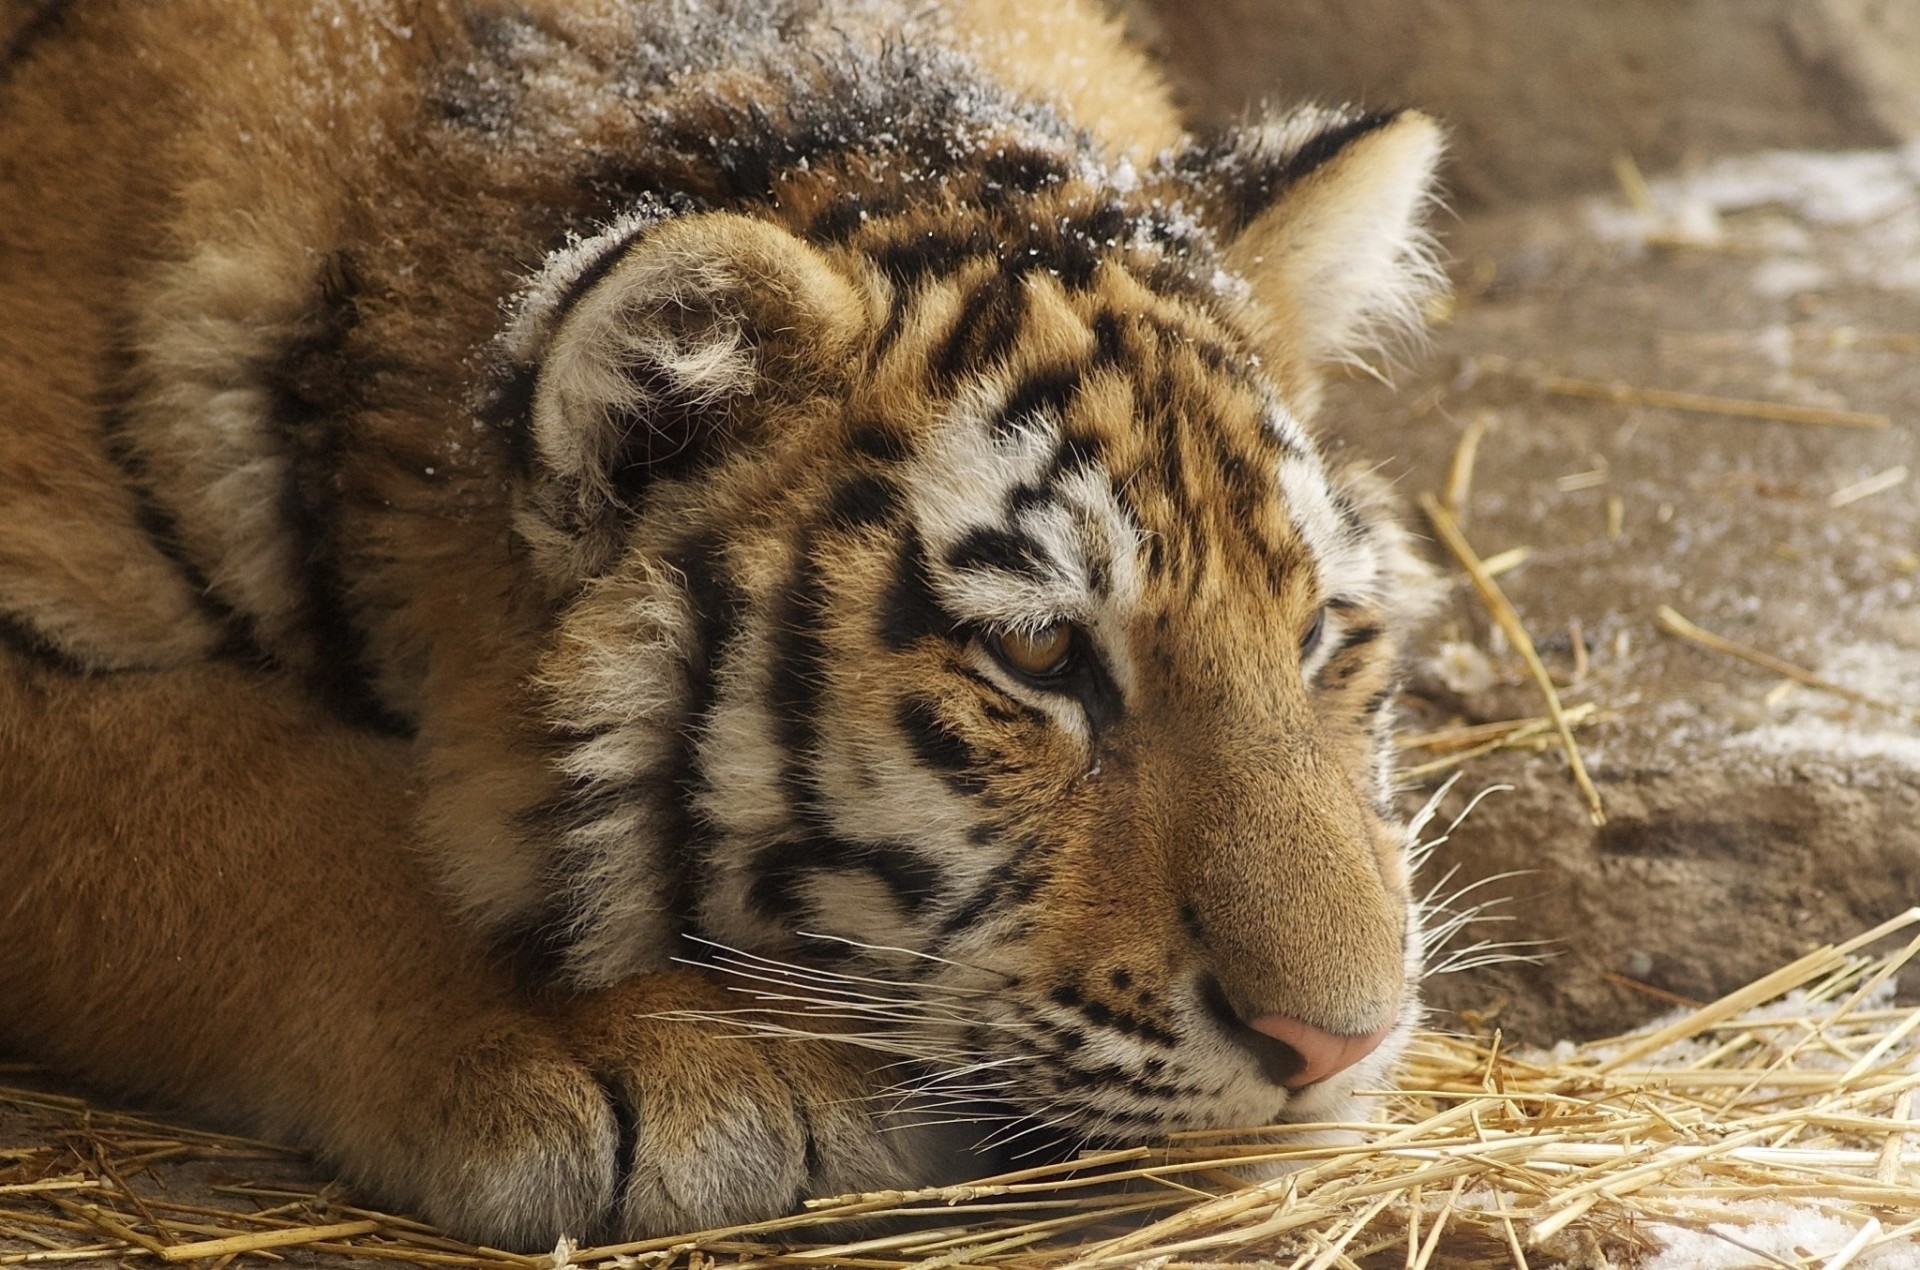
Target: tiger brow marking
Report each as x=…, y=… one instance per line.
x=910, y=611
x=990, y=547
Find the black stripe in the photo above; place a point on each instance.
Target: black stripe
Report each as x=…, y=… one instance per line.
x=47, y=17
x=534, y=950
x=990, y=547
x=879, y=441
x=909, y=261
x=839, y=220
x=508, y=406
x=240, y=641
x=910, y=611
x=1351, y=515
x=1010, y=882
x=718, y=609
x=1050, y=392
x=1018, y=170
x=863, y=500
x=1245, y=185
x=314, y=387
x=798, y=672
x=935, y=743
x=1109, y=339
x=985, y=330
x=782, y=870
x=16, y=634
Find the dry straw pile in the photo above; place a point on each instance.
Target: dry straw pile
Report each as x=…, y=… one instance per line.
x=1797, y=1089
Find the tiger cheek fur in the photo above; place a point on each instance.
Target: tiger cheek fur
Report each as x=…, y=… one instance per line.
x=615, y=514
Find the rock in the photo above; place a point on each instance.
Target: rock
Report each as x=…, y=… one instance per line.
x=1748, y=819
x=1541, y=97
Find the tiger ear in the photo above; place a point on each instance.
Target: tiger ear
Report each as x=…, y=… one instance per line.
x=645, y=357
x=1322, y=212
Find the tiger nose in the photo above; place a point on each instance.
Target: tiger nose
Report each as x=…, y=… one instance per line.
x=1322, y=1054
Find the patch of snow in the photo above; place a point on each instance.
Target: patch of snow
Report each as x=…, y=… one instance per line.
x=1872, y=194
x=1830, y=740
x=1784, y=276
x=1779, y=1231
x=1813, y=723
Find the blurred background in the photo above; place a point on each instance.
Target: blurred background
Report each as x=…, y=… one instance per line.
x=1541, y=95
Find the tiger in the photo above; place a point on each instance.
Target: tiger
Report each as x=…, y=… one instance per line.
x=619, y=615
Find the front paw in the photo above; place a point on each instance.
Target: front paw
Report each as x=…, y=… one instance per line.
x=720, y=1128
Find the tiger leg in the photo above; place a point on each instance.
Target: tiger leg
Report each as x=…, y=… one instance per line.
x=210, y=897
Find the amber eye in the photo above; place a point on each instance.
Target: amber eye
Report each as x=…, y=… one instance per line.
x=1311, y=640
x=1040, y=653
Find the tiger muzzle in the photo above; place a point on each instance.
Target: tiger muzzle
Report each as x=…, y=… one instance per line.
x=1301, y=933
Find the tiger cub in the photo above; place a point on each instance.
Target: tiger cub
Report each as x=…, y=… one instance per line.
x=543, y=542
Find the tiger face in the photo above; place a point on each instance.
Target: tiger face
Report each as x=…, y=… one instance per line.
x=960, y=611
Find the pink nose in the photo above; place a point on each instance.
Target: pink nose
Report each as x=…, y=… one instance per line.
x=1324, y=1054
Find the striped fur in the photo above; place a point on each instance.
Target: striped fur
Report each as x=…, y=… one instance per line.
x=654, y=430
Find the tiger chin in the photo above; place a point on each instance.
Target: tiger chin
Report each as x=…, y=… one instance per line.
x=543, y=543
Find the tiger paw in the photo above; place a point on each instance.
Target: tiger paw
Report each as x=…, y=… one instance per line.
x=718, y=1127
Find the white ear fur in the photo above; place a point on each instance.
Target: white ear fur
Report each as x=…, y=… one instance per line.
x=1341, y=260
x=644, y=367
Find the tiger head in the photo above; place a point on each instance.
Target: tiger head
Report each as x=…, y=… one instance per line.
x=960, y=625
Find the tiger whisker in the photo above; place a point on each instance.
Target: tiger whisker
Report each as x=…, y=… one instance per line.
x=970, y=1070
x=761, y=975
x=807, y=1010
x=1493, y=953
x=1000, y=1142
x=905, y=1011
x=1418, y=850
x=939, y=1121
x=803, y=971
x=909, y=952
x=884, y=1042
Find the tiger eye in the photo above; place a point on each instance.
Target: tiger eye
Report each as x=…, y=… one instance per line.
x=1039, y=653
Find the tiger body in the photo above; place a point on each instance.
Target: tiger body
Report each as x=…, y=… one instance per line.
x=500, y=501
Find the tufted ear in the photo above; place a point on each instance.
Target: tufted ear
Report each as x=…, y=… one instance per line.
x=646, y=351
x=1322, y=213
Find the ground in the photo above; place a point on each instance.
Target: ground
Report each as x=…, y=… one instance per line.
x=1744, y=822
